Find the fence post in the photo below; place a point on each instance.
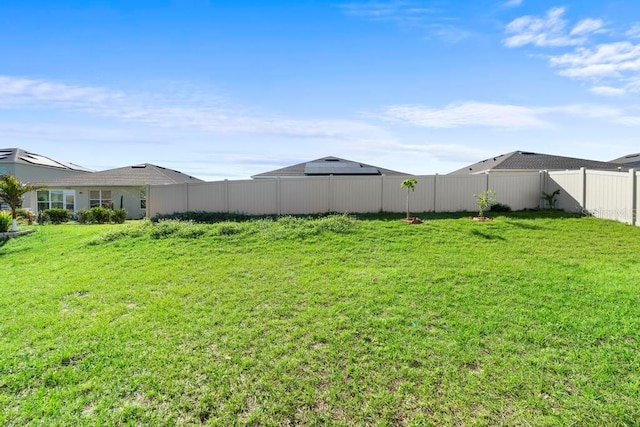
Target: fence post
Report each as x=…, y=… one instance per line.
x=226, y=195
x=382, y=193
x=544, y=176
x=330, y=193
x=634, y=201
x=279, y=196
x=186, y=197
x=583, y=202
x=435, y=194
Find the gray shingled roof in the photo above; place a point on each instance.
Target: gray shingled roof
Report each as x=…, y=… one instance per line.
x=17, y=155
x=136, y=175
x=630, y=160
x=526, y=160
x=329, y=165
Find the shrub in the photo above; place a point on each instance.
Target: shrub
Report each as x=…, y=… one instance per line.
x=43, y=217
x=500, y=207
x=85, y=216
x=5, y=222
x=25, y=216
x=207, y=217
x=100, y=215
x=119, y=216
x=57, y=215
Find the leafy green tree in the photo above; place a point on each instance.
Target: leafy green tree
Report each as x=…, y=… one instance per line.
x=410, y=185
x=11, y=192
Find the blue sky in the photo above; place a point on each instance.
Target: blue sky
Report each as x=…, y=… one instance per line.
x=228, y=89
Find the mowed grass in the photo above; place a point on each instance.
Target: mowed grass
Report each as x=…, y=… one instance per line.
x=531, y=319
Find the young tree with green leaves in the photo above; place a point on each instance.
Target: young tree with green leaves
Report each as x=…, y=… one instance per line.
x=11, y=193
x=410, y=185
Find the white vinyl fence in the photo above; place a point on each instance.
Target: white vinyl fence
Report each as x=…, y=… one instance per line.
x=310, y=195
x=603, y=194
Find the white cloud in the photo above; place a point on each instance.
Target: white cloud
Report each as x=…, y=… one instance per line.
x=551, y=30
x=589, y=111
x=604, y=60
x=587, y=26
x=505, y=116
x=168, y=112
x=610, y=68
x=607, y=91
x=388, y=10
x=468, y=114
x=512, y=3
x=434, y=22
x=633, y=32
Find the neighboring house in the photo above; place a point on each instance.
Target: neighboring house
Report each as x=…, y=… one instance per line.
x=526, y=161
x=29, y=167
x=629, y=161
x=327, y=166
x=114, y=188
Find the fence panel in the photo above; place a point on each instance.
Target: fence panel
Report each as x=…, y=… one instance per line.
x=304, y=196
x=637, y=206
x=610, y=195
x=166, y=199
x=420, y=200
x=454, y=193
x=207, y=197
x=570, y=184
x=356, y=194
x=518, y=190
x=253, y=197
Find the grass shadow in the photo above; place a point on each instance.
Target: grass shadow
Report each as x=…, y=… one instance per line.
x=487, y=236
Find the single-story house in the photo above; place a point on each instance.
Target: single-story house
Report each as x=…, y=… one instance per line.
x=526, y=161
x=327, y=166
x=124, y=187
x=629, y=161
x=29, y=167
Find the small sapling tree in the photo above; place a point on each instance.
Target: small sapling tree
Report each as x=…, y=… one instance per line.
x=410, y=185
x=485, y=200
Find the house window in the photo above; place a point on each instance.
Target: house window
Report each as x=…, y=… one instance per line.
x=143, y=198
x=100, y=198
x=61, y=199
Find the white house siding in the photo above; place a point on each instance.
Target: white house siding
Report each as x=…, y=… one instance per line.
x=126, y=197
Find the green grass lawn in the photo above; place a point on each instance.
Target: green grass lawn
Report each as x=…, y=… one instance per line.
x=531, y=319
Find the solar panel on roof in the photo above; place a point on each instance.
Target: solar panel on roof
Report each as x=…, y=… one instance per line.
x=40, y=160
x=339, y=168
